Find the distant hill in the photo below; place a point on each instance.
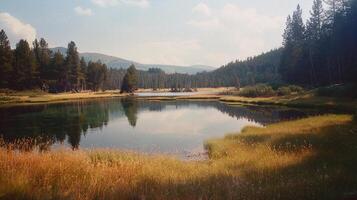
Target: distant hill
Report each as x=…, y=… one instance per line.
x=263, y=68
x=115, y=62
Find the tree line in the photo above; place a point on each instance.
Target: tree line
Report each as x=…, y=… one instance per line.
x=28, y=67
x=323, y=50
x=319, y=52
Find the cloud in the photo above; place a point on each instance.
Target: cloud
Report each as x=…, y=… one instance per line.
x=105, y=3
x=16, y=29
x=139, y=3
x=206, y=23
x=238, y=31
x=202, y=8
x=83, y=11
x=108, y=3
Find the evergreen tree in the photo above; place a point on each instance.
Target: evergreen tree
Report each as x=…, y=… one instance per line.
x=96, y=75
x=25, y=73
x=292, y=65
x=73, y=66
x=130, y=80
x=313, y=39
x=43, y=58
x=56, y=73
x=83, y=73
x=5, y=60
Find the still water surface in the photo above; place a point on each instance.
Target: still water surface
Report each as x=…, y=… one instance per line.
x=173, y=127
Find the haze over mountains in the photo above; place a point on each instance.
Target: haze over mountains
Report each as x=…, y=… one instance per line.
x=117, y=63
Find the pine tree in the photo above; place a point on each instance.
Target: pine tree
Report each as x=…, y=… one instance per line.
x=43, y=57
x=292, y=64
x=286, y=67
x=314, y=24
x=57, y=73
x=297, y=26
x=5, y=60
x=73, y=66
x=83, y=73
x=96, y=75
x=313, y=37
x=130, y=80
x=25, y=73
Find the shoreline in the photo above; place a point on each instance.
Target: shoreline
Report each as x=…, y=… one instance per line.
x=287, y=154
x=47, y=98
x=304, y=100
x=284, y=154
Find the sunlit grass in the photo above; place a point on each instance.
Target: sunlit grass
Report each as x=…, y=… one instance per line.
x=38, y=97
x=304, y=100
x=312, y=158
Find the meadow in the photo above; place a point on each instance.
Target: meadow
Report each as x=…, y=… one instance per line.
x=312, y=158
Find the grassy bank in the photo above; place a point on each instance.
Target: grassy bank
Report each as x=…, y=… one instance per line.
x=38, y=97
x=304, y=100
x=312, y=158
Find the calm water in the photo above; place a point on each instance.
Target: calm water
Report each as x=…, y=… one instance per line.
x=175, y=127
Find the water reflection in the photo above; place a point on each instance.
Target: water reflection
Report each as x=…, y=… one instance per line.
x=148, y=126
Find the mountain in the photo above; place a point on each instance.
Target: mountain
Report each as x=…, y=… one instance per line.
x=115, y=62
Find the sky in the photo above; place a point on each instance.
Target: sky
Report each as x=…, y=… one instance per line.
x=176, y=32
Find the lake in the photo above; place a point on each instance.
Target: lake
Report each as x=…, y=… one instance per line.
x=168, y=127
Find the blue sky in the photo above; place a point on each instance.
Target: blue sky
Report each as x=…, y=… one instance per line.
x=181, y=32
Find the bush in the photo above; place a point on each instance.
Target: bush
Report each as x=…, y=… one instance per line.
x=287, y=90
x=340, y=90
x=260, y=90
x=295, y=88
x=232, y=92
x=283, y=91
x=6, y=91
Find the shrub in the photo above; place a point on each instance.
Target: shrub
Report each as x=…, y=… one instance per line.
x=260, y=90
x=232, y=92
x=6, y=91
x=295, y=88
x=282, y=91
x=287, y=90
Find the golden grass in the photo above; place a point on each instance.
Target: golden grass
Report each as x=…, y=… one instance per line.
x=312, y=158
x=305, y=100
x=38, y=97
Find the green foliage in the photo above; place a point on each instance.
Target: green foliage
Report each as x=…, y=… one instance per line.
x=40, y=68
x=283, y=91
x=259, y=69
x=324, y=53
x=260, y=90
x=73, y=66
x=96, y=75
x=43, y=58
x=5, y=60
x=287, y=90
x=25, y=72
x=130, y=81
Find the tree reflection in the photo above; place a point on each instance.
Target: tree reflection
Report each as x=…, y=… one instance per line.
x=49, y=124
x=130, y=107
x=59, y=123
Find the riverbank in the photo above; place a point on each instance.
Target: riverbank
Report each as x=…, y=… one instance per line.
x=11, y=98
x=304, y=100
x=312, y=158
x=38, y=97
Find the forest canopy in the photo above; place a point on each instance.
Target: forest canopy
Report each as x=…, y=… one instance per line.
x=319, y=52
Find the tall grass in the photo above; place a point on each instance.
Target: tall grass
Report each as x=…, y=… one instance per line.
x=312, y=158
